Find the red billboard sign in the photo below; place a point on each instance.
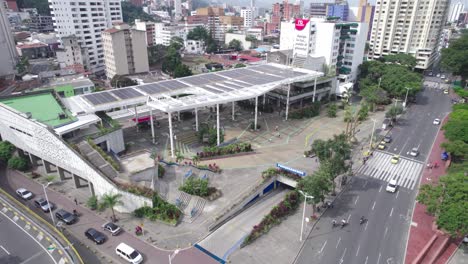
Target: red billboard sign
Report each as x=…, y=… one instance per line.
x=301, y=23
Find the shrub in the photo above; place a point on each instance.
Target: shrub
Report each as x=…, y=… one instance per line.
x=17, y=163
x=226, y=150
x=161, y=171
x=92, y=202
x=6, y=150
x=331, y=110
x=197, y=187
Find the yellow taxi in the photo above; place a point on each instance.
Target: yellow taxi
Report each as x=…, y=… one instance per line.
x=381, y=146
x=395, y=159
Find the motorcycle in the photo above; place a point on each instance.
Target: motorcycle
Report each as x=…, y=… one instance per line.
x=362, y=220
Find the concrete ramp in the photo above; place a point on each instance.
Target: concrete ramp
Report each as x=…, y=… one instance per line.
x=228, y=238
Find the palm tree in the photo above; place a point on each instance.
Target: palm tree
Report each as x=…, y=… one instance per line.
x=110, y=200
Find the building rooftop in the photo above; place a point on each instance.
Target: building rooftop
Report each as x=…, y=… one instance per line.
x=31, y=45
x=42, y=106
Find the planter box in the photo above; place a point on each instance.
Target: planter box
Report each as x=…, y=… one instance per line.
x=228, y=156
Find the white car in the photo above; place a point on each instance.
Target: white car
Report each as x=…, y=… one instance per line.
x=442, y=77
x=128, y=253
x=414, y=152
x=23, y=193
x=391, y=186
x=438, y=75
x=446, y=92
x=436, y=121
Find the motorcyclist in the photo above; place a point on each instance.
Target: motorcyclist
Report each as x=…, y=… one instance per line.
x=343, y=222
x=334, y=222
x=362, y=219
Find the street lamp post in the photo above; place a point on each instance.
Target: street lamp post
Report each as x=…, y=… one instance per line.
x=303, y=212
x=171, y=257
x=372, y=135
x=48, y=203
x=406, y=97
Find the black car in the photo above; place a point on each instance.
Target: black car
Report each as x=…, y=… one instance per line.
x=387, y=139
x=96, y=236
x=65, y=216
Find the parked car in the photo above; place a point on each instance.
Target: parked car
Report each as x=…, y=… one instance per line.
x=381, y=146
x=112, y=228
x=438, y=75
x=446, y=91
x=436, y=121
x=24, y=194
x=391, y=186
x=44, y=205
x=96, y=236
x=128, y=253
x=65, y=216
x=414, y=152
x=387, y=139
x=442, y=77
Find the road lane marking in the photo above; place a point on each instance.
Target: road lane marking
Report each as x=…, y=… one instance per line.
x=396, y=197
x=365, y=184
x=367, y=258
x=380, y=189
x=357, y=199
x=391, y=212
x=378, y=260
x=323, y=246
x=342, y=256
x=347, y=220
x=386, y=230
x=373, y=205
x=5, y=250
x=339, y=240
x=32, y=257
x=365, y=227
x=357, y=252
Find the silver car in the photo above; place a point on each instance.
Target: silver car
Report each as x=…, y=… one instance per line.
x=44, y=205
x=414, y=152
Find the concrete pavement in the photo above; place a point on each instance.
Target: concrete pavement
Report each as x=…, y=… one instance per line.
x=89, y=219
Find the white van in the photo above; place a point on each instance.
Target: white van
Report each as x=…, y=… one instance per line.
x=391, y=186
x=128, y=253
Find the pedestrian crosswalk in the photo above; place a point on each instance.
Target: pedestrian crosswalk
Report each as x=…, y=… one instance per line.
x=406, y=171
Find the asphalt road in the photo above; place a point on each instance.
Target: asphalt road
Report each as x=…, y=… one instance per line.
x=382, y=238
x=85, y=253
x=17, y=246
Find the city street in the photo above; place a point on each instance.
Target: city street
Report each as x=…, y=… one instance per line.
x=17, y=246
x=382, y=237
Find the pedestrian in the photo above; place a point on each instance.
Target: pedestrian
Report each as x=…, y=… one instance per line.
x=175, y=137
x=76, y=201
x=276, y=128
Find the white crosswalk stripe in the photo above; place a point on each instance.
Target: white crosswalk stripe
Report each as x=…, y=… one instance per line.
x=406, y=171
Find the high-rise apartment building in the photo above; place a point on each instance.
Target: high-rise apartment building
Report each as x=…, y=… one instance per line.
x=318, y=9
x=411, y=27
x=8, y=56
x=366, y=14
x=71, y=54
x=285, y=11
x=86, y=19
x=40, y=24
x=455, y=10
x=124, y=50
x=340, y=10
x=247, y=14
x=149, y=28
x=341, y=43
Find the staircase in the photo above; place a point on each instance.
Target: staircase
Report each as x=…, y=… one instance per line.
x=299, y=61
x=96, y=159
x=183, y=143
x=194, y=209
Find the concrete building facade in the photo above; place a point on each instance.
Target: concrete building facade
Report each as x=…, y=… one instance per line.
x=456, y=8
x=340, y=10
x=247, y=14
x=124, y=50
x=41, y=24
x=411, y=27
x=8, y=56
x=71, y=53
x=149, y=28
x=86, y=19
x=365, y=14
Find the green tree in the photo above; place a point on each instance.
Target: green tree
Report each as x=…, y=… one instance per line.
x=131, y=12
x=373, y=94
x=447, y=201
x=156, y=54
x=363, y=112
x=22, y=65
x=121, y=81
x=177, y=43
x=455, y=57
x=6, y=150
x=17, y=163
x=235, y=45
x=198, y=33
x=393, y=112
x=182, y=70
x=253, y=40
x=171, y=60
x=331, y=110
x=456, y=130
x=42, y=6
x=110, y=201
x=457, y=148
x=317, y=185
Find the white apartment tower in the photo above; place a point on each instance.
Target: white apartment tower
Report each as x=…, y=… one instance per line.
x=455, y=11
x=408, y=26
x=177, y=9
x=86, y=19
x=124, y=50
x=247, y=14
x=8, y=56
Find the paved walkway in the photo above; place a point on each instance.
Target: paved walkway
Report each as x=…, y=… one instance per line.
x=423, y=228
x=89, y=219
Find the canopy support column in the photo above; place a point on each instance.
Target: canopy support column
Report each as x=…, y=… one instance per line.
x=152, y=125
x=196, y=119
x=256, y=113
x=217, y=124
x=264, y=99
x=233, y=111
x=171, y=137
x=315, y=88
x=287, y=102
x=136, y=118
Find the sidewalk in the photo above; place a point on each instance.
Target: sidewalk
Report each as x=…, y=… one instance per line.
x=88, y=219
x=423, y=230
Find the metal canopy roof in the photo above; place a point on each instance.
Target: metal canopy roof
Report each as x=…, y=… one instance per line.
x=199, y=90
